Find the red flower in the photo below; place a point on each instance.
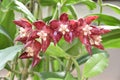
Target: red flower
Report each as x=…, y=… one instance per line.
x=25, y=29
x=90, y=35
x=32, y=49
x=63, y=27
x=42, y=34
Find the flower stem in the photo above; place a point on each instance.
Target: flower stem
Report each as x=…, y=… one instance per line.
x=77, y=68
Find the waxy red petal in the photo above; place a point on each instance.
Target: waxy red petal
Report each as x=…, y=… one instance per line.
x=54, y=24
x=23, y=23
x=36, y=60
x=45, y=44
x=73, y=25
x=69, y=37
x=37, y=47
x=39, y=24
x=56, y=36
x=81, y=22
x=23, y=40
x=100, y=46
x=24, y=55
x=64, y=17
x=89, y=19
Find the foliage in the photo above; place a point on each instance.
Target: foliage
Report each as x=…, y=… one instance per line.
x=57, y=62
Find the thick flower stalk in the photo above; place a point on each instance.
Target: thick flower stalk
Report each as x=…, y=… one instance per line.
x=37, y=36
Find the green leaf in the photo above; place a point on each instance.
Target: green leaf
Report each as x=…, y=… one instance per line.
x=111, y=40
x=46, y=75
x=69, y=77
x=48, y=2
x=54, y=79
x=56, y=51
x=113, y=7
x=22, y=8
x=90, y=4
x=95, y=65
x=5, y=40
x=75, y=49
x=72, y=10
x=65, y=45
x=7, y=23
x=110, y=27
x=107, y=19
x=8, y=54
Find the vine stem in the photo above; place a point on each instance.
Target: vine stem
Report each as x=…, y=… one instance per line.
x=68, y=65
x=101, y=8
x=77, y=68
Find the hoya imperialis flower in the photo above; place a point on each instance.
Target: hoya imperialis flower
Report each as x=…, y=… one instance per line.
x=32, y=49
x=90, y=35
x=25, y=29
x=63, y=27
x=42, y=34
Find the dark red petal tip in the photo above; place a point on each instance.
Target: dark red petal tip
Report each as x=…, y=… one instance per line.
x=23, y=23
x=39, y=24
x=89, y=19
x=64, y=17
x=36, y=60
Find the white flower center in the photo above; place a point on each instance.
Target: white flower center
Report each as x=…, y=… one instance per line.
x=42, y=35
x=63, y=28
x=30, y=51
x=87, y=29
x=96, y=40
x=23, y=32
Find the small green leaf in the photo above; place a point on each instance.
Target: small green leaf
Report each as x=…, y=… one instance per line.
x=113, y=7
x=46, y=75
x=108, y=20
x=8, y=54
x=56, y=51
x=95, y=65
x=22, y=8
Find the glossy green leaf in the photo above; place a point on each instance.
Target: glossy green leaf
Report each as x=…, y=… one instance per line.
x=5, y=40
x=113, y=7
x=65, y=45
x=111, y=39
x=46, y=75
x=56, y=51
x=8, y=54
x=75, y=49
x=108, y=20
x=22, y=8
x=7, y=4
x=89, y=3
x=7, y=24
x=72, y=10
x=95, y=65
x=48, y=2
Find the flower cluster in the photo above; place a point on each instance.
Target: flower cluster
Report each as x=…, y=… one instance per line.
x=37, y=36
